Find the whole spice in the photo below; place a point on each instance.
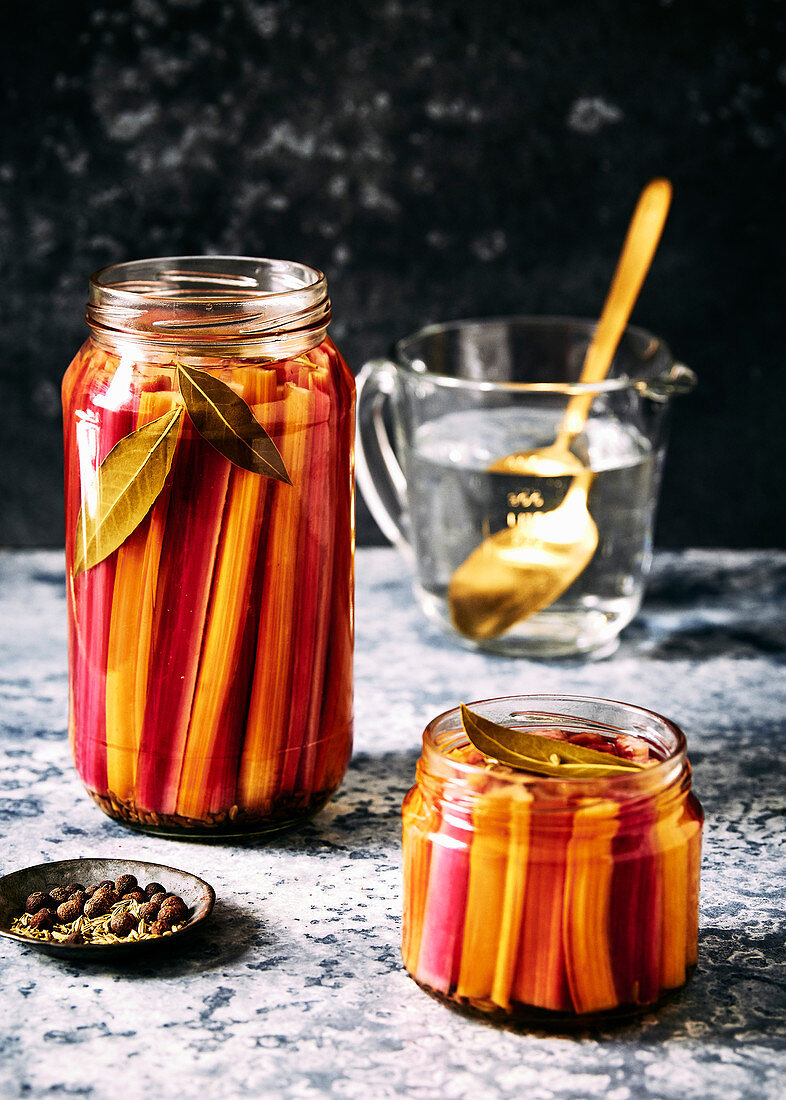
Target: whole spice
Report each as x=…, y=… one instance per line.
x=122, y=922
x=43, y=919
x=107, y=882
x=100, y=903
x=36, y=901
x=149, y=911
x=173, y=909
x=98, y=915
x=69, y=911
x=124, y=883
x=135, y=895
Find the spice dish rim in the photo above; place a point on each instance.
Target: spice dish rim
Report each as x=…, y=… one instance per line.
x=31, y=878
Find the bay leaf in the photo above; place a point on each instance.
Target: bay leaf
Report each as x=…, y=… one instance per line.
x=128, y=482
x=528, y=751
x=224, y=419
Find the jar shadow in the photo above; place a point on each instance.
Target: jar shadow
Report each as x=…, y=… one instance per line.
x=364, y=816
x=230, y=933
x=736, y=994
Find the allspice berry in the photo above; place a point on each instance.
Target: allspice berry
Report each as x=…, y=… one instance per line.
x=43, y=920
x=154, y=888
x=75, y=937
x=38, y=900
x=136, y=895
x=124, y=883
x=159, y=898
x=59, y=894
x=158, y=928
x=100, y=903
x=69, y=911
x=149, y=911
x=122, y=923
x=74, y=888
x=174, y=909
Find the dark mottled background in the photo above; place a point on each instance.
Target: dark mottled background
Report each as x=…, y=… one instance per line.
x=438, y=159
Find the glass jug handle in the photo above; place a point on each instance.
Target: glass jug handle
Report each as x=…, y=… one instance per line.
x=380, y=477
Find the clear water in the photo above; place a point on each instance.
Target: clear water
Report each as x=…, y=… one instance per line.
x=455, y=502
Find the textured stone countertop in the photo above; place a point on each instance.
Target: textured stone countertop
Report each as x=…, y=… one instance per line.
x=295, y=988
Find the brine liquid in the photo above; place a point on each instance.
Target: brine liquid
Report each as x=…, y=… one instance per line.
x=455, y=503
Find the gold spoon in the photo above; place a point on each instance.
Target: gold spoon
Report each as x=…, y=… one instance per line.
x=520, y=570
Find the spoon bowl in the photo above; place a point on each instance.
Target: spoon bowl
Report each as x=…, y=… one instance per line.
x=527, y=566
x=523, y=569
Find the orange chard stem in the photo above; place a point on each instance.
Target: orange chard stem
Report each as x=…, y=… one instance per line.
x=128, y=657
x=417, y=824
x=208, y=777
x=692, y=822
x=674, y=866
x=266, y=736
x=516, y=874
x=335, y=718
x=488, y=866
x=309, y=598
x=588, y=872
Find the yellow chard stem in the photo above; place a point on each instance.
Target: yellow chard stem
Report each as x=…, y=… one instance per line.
x=588, y=874
x=266, y=731
x=673, y=864
x=204, y=787
x=513, y=899
x=131, y=625
x=485, y=901
x=418, y=822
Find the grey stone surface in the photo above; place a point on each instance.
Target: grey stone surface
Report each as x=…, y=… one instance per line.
x=295, y=988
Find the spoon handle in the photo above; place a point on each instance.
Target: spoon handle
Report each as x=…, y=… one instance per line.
x=641, y=241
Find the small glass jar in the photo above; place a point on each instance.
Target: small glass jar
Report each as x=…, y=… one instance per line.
x=211, y=650
x=548, y=900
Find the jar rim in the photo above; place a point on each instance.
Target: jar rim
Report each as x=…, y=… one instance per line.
x=210, y=301
x=660, y=773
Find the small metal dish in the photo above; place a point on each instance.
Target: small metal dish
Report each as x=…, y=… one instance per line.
x=16, y=887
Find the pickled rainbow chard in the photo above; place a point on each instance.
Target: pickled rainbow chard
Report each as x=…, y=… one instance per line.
x=212, y=649
x=556, y=902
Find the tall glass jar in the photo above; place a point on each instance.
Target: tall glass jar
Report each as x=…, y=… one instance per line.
x=209, y=424
x=549, y=900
